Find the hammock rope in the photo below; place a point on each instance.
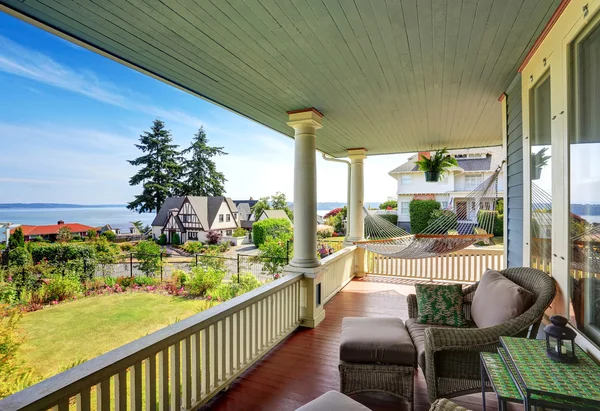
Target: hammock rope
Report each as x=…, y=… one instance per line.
x=454, y=228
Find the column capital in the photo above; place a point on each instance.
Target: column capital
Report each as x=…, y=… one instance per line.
x=357, y=153
x=305, y=117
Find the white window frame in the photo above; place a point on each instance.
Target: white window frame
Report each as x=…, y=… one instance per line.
x=221, y=218
x=228, y=217
x=405, y=206
x=478, y=178
x=406, y=180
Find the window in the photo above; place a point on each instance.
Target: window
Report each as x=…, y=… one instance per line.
x=472, y=181
x=584, y=186
x=444, y=204
x=404, y=208
x=228, y=217
x=406, y=180
x=229, y=232
x=220, y=218
x=193, y=235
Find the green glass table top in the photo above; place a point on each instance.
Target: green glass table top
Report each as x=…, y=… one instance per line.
x=542, y=375
x=499, y=376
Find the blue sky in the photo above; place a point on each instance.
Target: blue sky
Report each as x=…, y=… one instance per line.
x=69, y=119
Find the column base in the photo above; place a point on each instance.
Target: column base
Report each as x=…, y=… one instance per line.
x=305, y=263
x=312, y=322
x=311, y=304
x=360, y=263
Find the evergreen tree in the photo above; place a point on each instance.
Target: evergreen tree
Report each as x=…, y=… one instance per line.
x=201, y=177
x=279, y=202
x=16, y=239
x=161, y=169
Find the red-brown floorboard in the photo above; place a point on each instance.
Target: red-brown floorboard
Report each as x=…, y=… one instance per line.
x=304, y=365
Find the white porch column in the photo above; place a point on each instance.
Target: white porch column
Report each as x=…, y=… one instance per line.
x=357, y=193
x=305, y=123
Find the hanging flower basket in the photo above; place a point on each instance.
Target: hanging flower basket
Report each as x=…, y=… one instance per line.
x=432, y=176
x=536, y=173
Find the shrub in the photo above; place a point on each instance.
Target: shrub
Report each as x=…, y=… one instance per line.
x=64, y=235
x=92, y=234
x=76, y=238
x=126, y=247
x=393, y=204
x=144, y=281
x=16, y=239
x=274, y=227
x=19, y=257
x=192, y=247
x=392, y=218
x=162, y=240
x=175, y=240
x=213, y=237
x=240, y=232
x=180, y=277
x=273, y=254
x=110, y=281
x=324, y=231
x=443, y=220
x=223, y=292
x=203, y=279
x=148, y=256
x=8, y=293
x=420, y=213
x=60, y=288
x=125, y=282
x=484, y=221
x=248, y=282
x=109, y=235
x=333, y=212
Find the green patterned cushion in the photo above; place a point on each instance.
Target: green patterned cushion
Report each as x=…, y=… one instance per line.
x=440, y=305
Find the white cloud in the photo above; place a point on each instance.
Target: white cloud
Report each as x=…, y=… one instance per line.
x=23, y=62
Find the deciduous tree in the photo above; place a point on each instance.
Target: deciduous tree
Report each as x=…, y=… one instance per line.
x=161, y=169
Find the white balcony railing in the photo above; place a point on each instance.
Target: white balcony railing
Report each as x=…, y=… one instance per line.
x=184, y=365
x=467, y=265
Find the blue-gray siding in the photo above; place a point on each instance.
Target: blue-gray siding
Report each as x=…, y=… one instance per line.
x=514, y=208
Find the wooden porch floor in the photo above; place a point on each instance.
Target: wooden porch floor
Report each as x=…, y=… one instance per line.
x=304, y=366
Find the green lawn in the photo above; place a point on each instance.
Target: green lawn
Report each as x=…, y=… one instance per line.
x=56, y=337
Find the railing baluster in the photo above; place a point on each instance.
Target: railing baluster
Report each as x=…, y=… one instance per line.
x=175, y=377
x=103, y=395
x=135, y=387
x=151, y=383
x=84, y=400
x=163, y=380
x=230, y=342
x=223, y=350
x=206, y=361
x=214, y=362
x=120, y=381
x=63, y=405
x=196, y=371
x=186, y=372
x=239, y=339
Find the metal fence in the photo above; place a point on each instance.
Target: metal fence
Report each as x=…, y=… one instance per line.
x=263, y=268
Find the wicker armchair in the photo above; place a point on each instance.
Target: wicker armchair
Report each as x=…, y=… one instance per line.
x=452, y=365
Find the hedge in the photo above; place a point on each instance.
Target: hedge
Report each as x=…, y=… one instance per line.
x=420, y=214
x=392, y=218
x=61, y=253
x=483, y=222
x=442, y=221
x=274, y=227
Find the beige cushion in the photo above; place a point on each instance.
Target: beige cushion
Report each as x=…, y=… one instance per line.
x=417, y=333
x=333, y=401
x=497, y=300
x=376, y=340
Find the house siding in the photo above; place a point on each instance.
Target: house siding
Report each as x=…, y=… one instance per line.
x=514, y=195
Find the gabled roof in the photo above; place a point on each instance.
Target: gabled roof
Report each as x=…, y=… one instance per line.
x=275, y=214
x=163, y=213
x=33, y=230
x=494, y=157
x=244, y=210
x=249, y=202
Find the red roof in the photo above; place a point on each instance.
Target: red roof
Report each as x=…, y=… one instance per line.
x=32, y=230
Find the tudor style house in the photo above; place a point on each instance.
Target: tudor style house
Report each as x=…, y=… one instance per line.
x=475, y=165
x=192, y=217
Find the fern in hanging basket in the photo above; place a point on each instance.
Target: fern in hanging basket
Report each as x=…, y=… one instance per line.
x=437, y=165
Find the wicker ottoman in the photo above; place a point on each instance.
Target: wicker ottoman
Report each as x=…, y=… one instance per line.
x=377, y=354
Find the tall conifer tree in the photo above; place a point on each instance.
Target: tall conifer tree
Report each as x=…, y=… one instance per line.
x=201, y=177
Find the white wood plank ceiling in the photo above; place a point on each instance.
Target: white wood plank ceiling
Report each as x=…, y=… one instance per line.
x=389, y=75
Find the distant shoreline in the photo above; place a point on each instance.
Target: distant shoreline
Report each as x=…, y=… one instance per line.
x=57, y=205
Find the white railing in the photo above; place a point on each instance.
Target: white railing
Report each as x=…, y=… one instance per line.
x=467, y=265
x=181, y=366
x=339, y=270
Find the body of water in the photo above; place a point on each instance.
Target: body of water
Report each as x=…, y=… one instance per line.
x=591, y=218
x=119, y=217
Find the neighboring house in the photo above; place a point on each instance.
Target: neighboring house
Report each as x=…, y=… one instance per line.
x=123, y=232
x=475, y=165
x=273, y=214
x=191, y=217
x=49, y=232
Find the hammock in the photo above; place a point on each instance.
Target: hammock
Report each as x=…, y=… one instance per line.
x=466, y=222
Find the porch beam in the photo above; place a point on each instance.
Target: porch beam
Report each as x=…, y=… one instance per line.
x=305, y=123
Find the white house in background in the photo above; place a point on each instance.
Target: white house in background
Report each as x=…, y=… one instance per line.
x=273, y=214
x=191, y=217
x=475, y=165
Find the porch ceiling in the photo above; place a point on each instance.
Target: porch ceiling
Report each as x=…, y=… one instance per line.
x=392, y=76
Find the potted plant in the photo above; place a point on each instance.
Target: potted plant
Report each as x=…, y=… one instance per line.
x=538, y=161
x=435, y=166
